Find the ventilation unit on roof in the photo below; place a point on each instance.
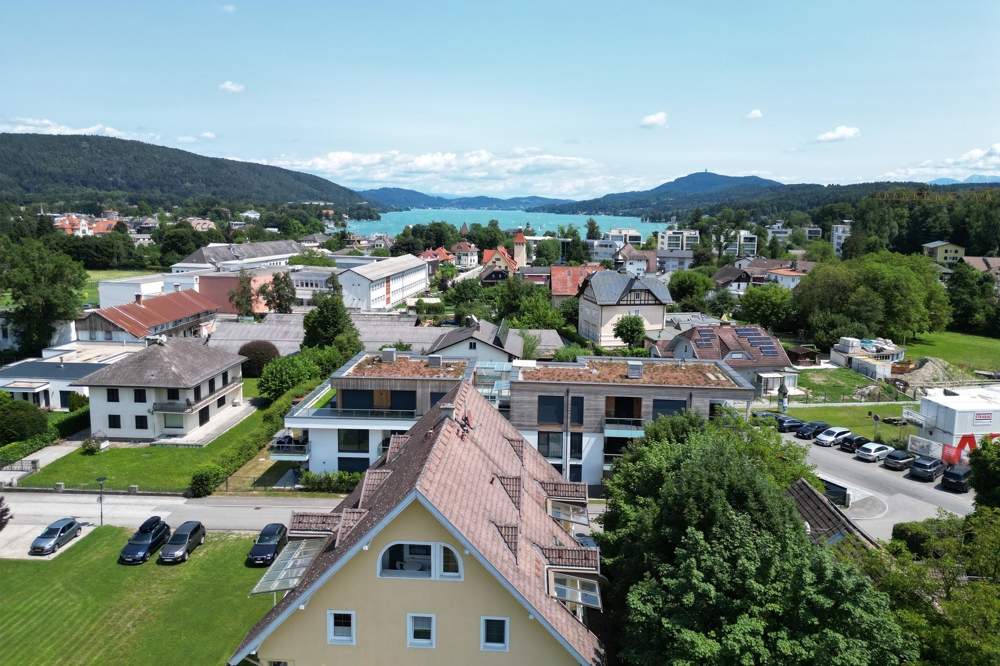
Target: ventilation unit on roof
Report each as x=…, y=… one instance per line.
x=434, y=361
x=389, y=355
x=635, y=369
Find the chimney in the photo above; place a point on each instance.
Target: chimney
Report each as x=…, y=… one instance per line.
x=447, y=410
x=389, y=355
x=434, y=361
x=138, y=298
x=635, y=369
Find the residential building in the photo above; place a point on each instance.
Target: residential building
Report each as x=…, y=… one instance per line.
x=250, y=215
x=201, y=224
x=674, y=260
x=634, y=261
x=441, y=255
x=753, y=272
x=953, y=421
x=603, y=249
x=675, y=323
x=312, y=280
x=284, y=331
x=459, y=547
x=789, y=278
x=46, y=383
x=813, y=233
x=539, y=275
x=943, y=252
x=377, y=395
x=121, y=291
x=678, y=239
x=382, y=329
x=989, y=265
x=565, y=281
x=624, y=236
x=840, y=233
x=182, y=314
x=607, y=296
x=750, y=351
x=484, y=341
x=872, y=358
x=83, y=225
x=233, y=257
x=742, y=244
x=520, y=249
x=466, y=255
x=779, y=231
x=384, y=284
x=498, y=266
x=581, y=415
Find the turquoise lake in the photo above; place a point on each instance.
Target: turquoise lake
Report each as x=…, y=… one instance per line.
x=393, y=223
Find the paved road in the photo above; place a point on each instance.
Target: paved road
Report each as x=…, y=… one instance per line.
x=887, y=497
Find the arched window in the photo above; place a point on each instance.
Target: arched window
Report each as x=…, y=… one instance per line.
x=420, y=559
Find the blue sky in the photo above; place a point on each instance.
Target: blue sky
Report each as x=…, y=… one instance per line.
x=572, y=99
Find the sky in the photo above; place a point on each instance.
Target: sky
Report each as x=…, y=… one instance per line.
x=564, y=99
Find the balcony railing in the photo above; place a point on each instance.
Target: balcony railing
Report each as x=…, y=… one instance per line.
x=188, y=405
x=289, y=449
x=344, y=413
x=621, y=423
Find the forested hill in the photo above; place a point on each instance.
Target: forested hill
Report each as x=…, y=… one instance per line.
x=397, y=197
x=37, y=167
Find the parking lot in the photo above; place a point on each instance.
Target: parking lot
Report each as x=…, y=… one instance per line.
x=16, y=538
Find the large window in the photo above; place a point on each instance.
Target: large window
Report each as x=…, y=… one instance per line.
x=494, y=634
x=550, y=409
x=667, y=407
x=173, y=420
x=550, y=444
x=139, y=395
x=352, y=441
x=112, y=395
x=577, y=590
x=420, y=560
x=571, y=513
x=114, y=421
x=341, y=628
x=173, y=394
x=420, y=630
x=576, y=410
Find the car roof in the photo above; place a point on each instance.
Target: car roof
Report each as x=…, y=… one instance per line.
x=149, y=523
x=925, y=460
x=63, y=521
x=902, y=452
x=871, y=445
x=187, y=526
x=960, y=467
x=271, y=528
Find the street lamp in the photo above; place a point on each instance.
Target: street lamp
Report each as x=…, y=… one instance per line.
x=100, y=498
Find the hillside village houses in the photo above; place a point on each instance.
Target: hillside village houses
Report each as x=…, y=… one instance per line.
x=466, y=255
x=755, y=271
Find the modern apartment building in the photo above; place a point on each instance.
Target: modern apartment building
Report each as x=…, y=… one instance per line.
x=742, y=244
x=624, y=236
x=840, y=233
x=944, y=253
x=678, y=239
x=384, y=284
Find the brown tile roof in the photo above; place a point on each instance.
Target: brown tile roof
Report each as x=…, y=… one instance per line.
x=565, y=489
x=303, y=521
x=719, y=342
x=463, y=246
x=372, y=365
x=512, y=484
x=503, y=255
x=655, y=373
x=373, y=479
x=138, y=319
x=984, y=264
x=517, y=445
x=826, y=523
x=566, y=280
x=583, y=558
x=451, y=466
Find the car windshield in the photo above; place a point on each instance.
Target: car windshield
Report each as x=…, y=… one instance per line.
x=178, y=539
x=50, y=532
x=141, y=538
x=830, y=433
x=267, y=539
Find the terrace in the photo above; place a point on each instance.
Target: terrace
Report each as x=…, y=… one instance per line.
x=654, y=372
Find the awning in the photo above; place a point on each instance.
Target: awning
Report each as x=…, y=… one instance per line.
x=25, y=386
x=288, y=568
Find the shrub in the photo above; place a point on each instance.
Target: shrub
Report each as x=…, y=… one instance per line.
x=259, y=353
x=206, y=479
x=17, y=450
x=90, y=446
x=78, y=401
x=69, y=423
x=20, y=420
x=283, y=373
x=918, y=534
x=330, y=482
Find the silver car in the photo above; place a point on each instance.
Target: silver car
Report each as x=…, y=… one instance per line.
x=832, y=436
x=873, y=452
x=55, y=536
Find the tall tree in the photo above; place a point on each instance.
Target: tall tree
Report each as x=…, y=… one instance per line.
x=630, y=329
x=241, y=298
x=279, y=294
x=593, y=229
x=769, y=305
x=327, y=321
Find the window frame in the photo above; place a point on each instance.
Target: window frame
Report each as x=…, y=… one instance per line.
x=437, y=562
x=118, y=418
x=136, y=392
x=145, y=424
x=494, y=647
x=420, y=643
x=330, y=638
x=112, y=395
x=561, y=418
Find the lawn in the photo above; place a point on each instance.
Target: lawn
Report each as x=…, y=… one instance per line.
x=84, y=608
x=856, y=418
x=974, y=352
x=837, y=385
x=93, y=277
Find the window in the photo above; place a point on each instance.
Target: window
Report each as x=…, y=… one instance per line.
x=550, y=444
x=173, y=394
x=420, y=630
x=494, y=634
x=173, y=420
x=225, y=378
x=472, y=344
x=141, y=422
x=576, y=473
x=565, y=511
x=576, y=410
x=221, y=402
x=112, y=395
x=550, y=409
x=340, y=627
x=576, y=445
x=139, y=395
x=114, y=421
x=352, y=441
x=211, y=385
x=576, y=590
x=197, y=393
x=436, y=561
x=450, y=566
x=668, y=407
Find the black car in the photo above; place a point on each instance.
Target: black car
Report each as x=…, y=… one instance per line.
x=185, y=539
x=151, y=535
x=899, y=460
x=853, y=443
x=788, y=424
x=811, y=429
x=957, y=477
x=926, y=469
x=269, y=543
x=55, y=536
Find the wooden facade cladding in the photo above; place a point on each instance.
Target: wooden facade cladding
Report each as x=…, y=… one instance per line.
x=423, y=387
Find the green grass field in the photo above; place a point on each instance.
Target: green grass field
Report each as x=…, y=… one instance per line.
x=93, y=277
x=84, y=608
x=837, y=385
x=972, y=352
x=151, y=468
x=855, y=418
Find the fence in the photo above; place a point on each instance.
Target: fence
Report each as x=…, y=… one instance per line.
x=21, y=466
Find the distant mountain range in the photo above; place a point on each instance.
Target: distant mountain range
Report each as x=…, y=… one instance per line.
x=42, y=167
x=976, y=179
x=401, y=199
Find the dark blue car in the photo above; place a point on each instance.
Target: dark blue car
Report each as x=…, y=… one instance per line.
x=140, y=547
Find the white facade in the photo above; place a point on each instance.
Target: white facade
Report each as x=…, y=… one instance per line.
x=474, y=350
x=624, y=236
x=678, y=239
x=466, y=260
x=743, y=244
x=956, y=419
x=840, y=233
x=597, y=322
x=604, y=249
x=581, y=459
x=122, y=291
x=385, y=284
x=787, y=278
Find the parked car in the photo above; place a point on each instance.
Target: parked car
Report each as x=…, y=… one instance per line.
x=926, y=469
x=55, y=536
x=811, y=429
x=788, y=424
x=899, y=459
x=873, y=451
x=271, y=540
x=185, y=539
x=832, y=436
x=853, y=443
x=957, y=477
x=151, y=535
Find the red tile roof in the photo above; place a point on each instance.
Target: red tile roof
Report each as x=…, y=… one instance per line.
x=519, y=237
x=138, y=319
x=566, y=280
x=720, y=342
x=464, y=246
x=503, y=255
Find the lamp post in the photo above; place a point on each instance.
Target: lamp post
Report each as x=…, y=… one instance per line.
x=100, y=498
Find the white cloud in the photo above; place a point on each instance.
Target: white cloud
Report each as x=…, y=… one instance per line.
x=654, y=120
x=232, y=87
x=978, y=161
x=46, y=126
x=839, y=133
x=755, y=114
x=208, y=136
x=228, y=8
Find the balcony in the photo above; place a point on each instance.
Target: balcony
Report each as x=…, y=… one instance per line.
x=343, y=413
x=615, y=426
x=189, y=406
x=291, y=452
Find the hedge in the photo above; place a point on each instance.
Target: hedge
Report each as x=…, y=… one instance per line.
x=69, y=423
x=17, y=450
x=208, y=477
x=330, y=482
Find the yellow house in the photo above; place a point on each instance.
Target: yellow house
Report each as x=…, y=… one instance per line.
x=454, y=549
x=943, y=252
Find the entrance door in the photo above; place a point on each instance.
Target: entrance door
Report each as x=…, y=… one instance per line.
x=64, y=399
x=203, y=416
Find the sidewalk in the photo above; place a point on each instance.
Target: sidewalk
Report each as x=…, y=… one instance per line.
x=47, y=456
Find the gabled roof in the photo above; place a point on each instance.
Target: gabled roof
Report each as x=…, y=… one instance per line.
x=940, y=243
x=381, y=269
x=172, y=363
x=827, y=525
x=610, y=287
x=139, y=319
x=502, y=253
x=984, y=264
x=738, y=346
x=566, y=280
x=450, y=465
x=510, y=340
x=218, y=253
x=629, y=253
x=464, y=246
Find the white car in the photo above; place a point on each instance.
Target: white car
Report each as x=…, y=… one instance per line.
x=832, y=436
x=873, y=452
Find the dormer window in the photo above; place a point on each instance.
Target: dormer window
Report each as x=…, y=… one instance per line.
x=567, y=512
x=436, y=561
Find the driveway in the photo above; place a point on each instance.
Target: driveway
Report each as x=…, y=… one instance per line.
x=16, y=538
